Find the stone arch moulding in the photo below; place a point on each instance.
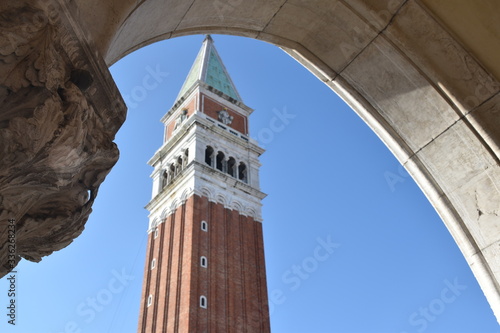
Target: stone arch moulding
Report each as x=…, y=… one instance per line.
x=406, y=76
x=156, y=222
x=221, y=198
x=206, y=192
x=394, y=62
x=236, y=205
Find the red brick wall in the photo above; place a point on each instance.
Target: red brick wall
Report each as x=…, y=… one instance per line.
x=234, y=281
x=210, y=108
x=171, y=123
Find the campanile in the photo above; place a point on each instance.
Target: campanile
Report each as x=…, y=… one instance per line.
x=205, y=269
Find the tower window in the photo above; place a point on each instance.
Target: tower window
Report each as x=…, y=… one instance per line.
x=171, y=173
x=164, y=179
x=209, y=156
x=172, y=170
x=242, y=172
x=203, y=302
x=185, y=159
x=204, y=226
x=156, y=232
x=150, y=299
x=231, y=167
x=178, y=165
x=220, y=161
x=203, y=261
x=153, y=263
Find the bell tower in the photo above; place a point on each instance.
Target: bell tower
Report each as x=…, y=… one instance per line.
x=205, y=269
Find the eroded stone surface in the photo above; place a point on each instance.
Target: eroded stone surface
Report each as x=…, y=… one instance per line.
x=465, y=157
x=377, y=13
x=334, y=31
x=399, y=93
x=486, y=121
x=441, y=57
x=478, y=201
x=58, y=118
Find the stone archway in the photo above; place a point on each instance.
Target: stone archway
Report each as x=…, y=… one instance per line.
x=397, y=63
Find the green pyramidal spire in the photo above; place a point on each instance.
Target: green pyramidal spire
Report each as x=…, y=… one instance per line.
x=208, y=68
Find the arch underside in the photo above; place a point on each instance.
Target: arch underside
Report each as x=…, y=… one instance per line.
x=407, y=75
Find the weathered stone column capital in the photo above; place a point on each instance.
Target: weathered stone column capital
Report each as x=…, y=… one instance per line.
x=59, y=113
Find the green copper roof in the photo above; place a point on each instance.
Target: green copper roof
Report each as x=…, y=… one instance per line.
x=208, y=68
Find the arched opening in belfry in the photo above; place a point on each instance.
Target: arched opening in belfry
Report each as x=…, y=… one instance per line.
x=179, y=165
x=231, y=166
x=242, y=172
x=185, y=158
x=165, y=178
x=209, y=156
x=220, y=162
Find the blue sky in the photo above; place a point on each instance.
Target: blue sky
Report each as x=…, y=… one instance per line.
x=352, y=244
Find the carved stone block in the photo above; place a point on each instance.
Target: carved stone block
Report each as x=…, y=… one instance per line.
x=59, y=113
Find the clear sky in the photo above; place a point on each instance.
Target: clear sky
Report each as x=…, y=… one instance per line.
x=352, y=244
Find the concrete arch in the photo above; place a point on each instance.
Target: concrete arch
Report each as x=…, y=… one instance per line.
x=427, y=87
x=430, y=101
